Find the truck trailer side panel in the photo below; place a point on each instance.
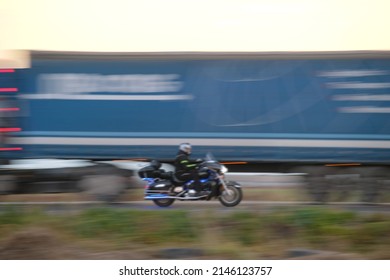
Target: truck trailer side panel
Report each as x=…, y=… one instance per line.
x=313, y=108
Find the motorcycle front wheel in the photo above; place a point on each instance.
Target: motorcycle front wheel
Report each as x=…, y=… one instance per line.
x=163, y=202
x=232, y=196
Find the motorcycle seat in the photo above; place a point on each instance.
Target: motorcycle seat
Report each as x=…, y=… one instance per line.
x=165, y=175
x=176, y=181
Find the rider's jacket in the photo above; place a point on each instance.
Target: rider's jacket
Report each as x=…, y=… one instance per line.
x=183, y=164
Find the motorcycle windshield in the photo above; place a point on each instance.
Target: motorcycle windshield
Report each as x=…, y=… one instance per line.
x=211, y=162
x=210, y=157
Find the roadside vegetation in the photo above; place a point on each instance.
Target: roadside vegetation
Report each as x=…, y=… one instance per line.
x=218, y=234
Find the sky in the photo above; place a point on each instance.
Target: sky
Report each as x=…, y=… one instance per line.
x=195, y=25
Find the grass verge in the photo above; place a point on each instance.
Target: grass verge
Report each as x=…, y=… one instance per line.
x=234, y=235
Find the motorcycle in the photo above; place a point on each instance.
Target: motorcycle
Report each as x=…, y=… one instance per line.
x=163, y=188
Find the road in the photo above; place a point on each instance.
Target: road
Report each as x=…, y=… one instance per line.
x=196, y=206
x=253, y=182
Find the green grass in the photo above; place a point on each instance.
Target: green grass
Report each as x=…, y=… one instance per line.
x=240, y=234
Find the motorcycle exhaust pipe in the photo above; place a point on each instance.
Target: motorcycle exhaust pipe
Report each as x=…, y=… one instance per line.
x=158, y=196
x=152, y=197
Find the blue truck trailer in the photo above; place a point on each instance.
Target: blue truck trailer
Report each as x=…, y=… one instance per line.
x=325, y=114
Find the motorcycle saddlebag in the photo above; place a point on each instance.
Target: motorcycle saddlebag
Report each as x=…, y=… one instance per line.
x=161, y=185
x=147, y=172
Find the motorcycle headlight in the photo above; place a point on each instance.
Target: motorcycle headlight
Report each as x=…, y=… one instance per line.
x=224, y=169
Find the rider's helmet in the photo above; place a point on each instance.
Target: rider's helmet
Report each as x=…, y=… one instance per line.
x=185, y=147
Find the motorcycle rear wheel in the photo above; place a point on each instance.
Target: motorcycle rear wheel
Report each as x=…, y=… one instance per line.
x=231, y=197
x=163, y=202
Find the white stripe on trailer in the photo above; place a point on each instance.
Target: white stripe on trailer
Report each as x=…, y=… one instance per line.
x=362, y=97
x=364, y=110
x=124, y=97
x=307, y=143
x=357, y=85
x=352, y=73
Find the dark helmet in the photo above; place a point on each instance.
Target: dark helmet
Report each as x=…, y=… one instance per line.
x=185, y=147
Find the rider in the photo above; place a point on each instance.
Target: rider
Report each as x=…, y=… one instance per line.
x=185, y=168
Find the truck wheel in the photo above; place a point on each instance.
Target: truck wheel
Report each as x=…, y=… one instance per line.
x=7, y=184
x=105, y=188
x=319, y=190
x=371, y=190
